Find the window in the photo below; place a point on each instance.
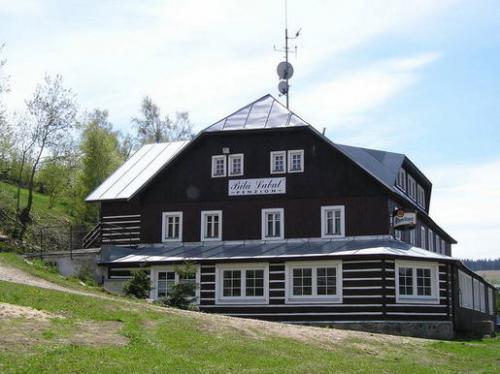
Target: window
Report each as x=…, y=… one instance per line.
x=278, y=162
x=211, y=225
x=332, y=221
x=401, y=182
x=314, y=282
x=420, y=196
x=490, y=302
x=438, y=244
x=430, y=240
x=165, y=278
x=273, y=224
x=172, y=227
x=413, y=239
x=422, y=237
x=296, y=161
x=465, y=290
x=235, y=165
x=416, y=282
x=398, y=234
x=475, y=288
x=218, y=166
x=443, y=246
x=412, y=187
x=242, y=283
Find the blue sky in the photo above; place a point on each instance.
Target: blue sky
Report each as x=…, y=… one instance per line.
x=418, y=77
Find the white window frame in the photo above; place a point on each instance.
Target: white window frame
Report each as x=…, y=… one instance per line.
x=153, y=293
x=412, y=188
x=430, y=240
x=314, y=298
x=204, y=214
x=423, y=237
x=290, y=154
x=231, y=159
x=165, y=215
x=412, y=236
x=324, y=211
x=214, y=159
x=401, y=181
x=418, y=299
x=272, y=161
x=243, y=299
x=420, y=196
x=264, y=223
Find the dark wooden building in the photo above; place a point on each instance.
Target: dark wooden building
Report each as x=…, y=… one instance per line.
x=286, y=225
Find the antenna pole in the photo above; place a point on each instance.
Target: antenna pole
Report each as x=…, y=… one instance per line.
x=286, y=59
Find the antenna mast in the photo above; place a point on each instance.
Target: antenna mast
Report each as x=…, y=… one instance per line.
x=285, y=69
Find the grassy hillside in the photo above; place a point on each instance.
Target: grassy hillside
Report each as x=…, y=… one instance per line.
x=8, y=193
x=45, y=331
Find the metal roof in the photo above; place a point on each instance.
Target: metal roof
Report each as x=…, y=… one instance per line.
x=171, y=252
x=266, y=112
x=136, y=171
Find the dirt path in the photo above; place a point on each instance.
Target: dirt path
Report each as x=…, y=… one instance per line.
x=12, y=274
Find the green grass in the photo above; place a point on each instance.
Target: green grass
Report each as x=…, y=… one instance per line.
x=40, y=203
x=162, y=342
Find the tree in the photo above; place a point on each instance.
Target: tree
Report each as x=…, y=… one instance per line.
x=139, y=285
x=6, y=131
x=152, y=128
x=101, y=155
x=52, y=111
x=53, y=177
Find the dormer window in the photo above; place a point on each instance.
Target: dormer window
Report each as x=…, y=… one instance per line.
x=412, y=187
x=296, y=161
x=218, y=166
x=401, y=182
x=235, y=165
x=420, y=196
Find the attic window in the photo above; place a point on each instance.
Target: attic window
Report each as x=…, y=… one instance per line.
x=236, y=165
x=401, y=182
x=412, y=187
x=218, y=166
x=296, y=161
x=420, y=196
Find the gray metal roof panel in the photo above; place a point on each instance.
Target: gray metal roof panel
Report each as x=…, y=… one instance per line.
x=266, y=250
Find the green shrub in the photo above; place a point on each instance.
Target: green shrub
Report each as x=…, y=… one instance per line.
x=139, y=285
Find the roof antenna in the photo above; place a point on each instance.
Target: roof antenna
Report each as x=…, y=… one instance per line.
x=285, y=69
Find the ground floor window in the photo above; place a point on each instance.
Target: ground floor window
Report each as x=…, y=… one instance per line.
x=417, y=282
x=242, y=283
x=314, y=281
x=163, y=280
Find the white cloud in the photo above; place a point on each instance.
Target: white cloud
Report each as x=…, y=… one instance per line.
x=346, y=101
x=208, y=57
x=465, y=202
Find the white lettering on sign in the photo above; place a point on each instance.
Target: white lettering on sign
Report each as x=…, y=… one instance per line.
x=259, y=186
x=406, y=219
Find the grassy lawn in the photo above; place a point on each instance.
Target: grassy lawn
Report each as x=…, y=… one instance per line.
x=136, y=338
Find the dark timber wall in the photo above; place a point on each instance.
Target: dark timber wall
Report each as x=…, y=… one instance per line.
x=368, y=295
x=329, y=178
